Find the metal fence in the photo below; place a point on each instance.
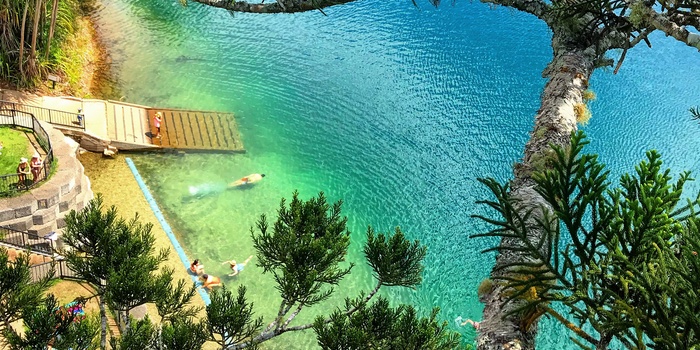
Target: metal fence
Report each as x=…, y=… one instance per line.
x=12, y=183
x=26, y=240
x=52, y=116
x=56, y=269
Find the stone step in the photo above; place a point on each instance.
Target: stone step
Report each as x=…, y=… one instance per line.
x=45, y=216
x=77, y=203
x=19, y=224
x=42, y=230
x=32, y=240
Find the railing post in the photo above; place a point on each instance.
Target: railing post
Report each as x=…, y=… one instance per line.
x=50, y=121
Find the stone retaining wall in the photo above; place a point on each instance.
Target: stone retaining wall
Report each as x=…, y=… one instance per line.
x=42, y=210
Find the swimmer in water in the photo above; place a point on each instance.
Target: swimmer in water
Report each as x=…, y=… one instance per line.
x=236, y=267
x=252, y=178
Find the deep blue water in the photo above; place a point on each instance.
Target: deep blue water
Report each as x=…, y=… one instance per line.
x=395, y=109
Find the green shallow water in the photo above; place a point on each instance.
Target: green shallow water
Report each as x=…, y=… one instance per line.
x=393, y=109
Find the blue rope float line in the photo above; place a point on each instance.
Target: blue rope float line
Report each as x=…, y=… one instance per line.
x=166, y=227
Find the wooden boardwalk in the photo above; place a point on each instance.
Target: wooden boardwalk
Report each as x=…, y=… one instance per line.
x=129, y=127
x=196, y=130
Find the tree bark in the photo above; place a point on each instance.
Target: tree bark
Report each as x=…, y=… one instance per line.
x=103, y=319
x=21, y=40
x=568, y=75
x=52, y=27
x=32, y=66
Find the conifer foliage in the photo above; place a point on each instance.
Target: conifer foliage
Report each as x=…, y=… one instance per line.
x=118, y=257
x=304, y=250
x=621, y=260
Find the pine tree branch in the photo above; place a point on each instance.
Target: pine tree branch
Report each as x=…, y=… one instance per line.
x=568, y=324
x=280, y=6
x=291, y=317
x=347, y=313
x=672, y=25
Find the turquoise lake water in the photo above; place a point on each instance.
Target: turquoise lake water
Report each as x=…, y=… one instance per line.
x=395, y=109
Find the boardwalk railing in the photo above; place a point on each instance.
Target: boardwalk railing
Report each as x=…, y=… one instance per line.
x=26, y=240
x=52, y=116
x=11, y=183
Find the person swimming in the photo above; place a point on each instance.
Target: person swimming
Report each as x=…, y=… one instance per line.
x=236, y=267
x=474, y=324
x=252, y=178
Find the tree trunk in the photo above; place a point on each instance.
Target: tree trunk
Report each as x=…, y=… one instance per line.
x=32, y=66
x=52, y=27
x=21, y=40
x=127, y=322
x=103, y=319
x=568, y=75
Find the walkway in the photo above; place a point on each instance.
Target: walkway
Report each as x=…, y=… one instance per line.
x=129, y=127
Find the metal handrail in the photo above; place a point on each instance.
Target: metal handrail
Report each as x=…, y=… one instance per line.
x=59, y=267
x=11, y=183
x=52, y=116
x=26, y=240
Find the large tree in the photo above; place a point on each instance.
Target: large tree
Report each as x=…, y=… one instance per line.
x=621, y=261
x=583, y=31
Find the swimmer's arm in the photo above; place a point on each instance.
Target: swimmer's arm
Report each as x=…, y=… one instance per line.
x=235, y=272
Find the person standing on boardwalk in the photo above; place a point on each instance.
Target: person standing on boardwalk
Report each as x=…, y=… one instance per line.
x=36, y=164
x=157, y=119
x=246, y=180
x=81, y=116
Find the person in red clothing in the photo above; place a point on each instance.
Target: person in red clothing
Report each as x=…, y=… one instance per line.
x=157, y=119
x=36, y=164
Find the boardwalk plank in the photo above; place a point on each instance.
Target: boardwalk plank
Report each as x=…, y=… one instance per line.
x=190, y=140
x=178, y=136
x=120, y=115
x=190, y=130
x=224, y=132
x=202, y=130
x=226, y=124
x=234, y=132
x=211, y=131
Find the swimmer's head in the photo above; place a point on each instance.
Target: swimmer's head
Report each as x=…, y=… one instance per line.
x=205, y=276
x=262, y=175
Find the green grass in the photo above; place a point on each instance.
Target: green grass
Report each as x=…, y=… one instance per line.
x=15, y=146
